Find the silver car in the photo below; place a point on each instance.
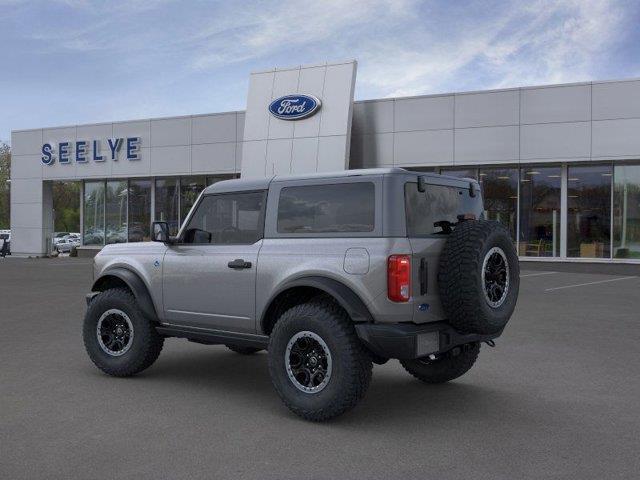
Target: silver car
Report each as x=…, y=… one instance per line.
x=329, y=273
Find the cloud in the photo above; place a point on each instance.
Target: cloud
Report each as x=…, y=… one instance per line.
x=261, y=30
x=547, y=42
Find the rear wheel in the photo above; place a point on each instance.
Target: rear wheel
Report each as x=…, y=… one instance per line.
x=243, y=350
x=317, y=364
x=446, y=367
x=118, y=338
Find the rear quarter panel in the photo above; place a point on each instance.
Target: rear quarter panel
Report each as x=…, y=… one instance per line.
x=287, y=259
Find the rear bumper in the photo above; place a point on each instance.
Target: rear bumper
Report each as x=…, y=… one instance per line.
x=405, y=341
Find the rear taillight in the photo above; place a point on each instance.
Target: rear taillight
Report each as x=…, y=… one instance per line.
x=399, y=278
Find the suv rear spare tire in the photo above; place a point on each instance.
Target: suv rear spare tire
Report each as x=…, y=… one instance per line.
x=479, y=277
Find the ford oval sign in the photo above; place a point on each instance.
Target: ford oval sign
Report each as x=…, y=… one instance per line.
x=294, y=107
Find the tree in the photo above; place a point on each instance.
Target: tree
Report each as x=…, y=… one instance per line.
x=66, y=204
x=5, y=186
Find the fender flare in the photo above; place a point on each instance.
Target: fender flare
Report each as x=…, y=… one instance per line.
x=343, y=294
x=135, y=284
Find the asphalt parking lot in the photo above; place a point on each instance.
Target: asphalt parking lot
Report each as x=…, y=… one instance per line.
x=559, y=397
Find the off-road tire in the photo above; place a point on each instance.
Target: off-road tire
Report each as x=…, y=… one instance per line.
x=460, y=282
x=449, y=366
x=243, y=350
x=351, y=364
x=145, y=347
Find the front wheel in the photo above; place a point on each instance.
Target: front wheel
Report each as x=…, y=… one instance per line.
x=450, y=365
x=119, y=339
x=316, y=361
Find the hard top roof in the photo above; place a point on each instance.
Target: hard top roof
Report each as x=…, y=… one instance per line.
x=262, y=183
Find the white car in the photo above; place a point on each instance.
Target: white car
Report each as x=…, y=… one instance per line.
x=65, y=245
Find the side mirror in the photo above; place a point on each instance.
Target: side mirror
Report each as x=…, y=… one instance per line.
x=160, y=232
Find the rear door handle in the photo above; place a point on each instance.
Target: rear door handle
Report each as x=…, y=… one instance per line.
x=239, y=263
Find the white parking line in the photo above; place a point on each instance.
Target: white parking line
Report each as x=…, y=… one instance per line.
x=589, y=283
x=537, y=274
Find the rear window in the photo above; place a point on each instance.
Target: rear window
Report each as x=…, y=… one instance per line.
x=343, y=207
x=435, y=211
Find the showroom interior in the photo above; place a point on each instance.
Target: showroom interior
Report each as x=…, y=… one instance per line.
x=559, y=165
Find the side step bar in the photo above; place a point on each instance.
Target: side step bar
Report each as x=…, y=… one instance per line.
x=214, y=337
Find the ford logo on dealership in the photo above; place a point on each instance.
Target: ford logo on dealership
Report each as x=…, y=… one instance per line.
x=294, y=107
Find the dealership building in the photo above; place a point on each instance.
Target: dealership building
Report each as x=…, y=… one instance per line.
x=559, y=165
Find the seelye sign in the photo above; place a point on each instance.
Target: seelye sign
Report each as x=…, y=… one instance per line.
x=82, y=151
x=294, y=107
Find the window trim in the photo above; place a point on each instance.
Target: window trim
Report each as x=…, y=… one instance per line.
x=196, y=205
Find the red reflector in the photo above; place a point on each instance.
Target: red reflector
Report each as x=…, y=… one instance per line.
x=399, y=278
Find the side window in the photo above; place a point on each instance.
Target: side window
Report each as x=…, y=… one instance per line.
x=227, y=219
x=342, y=207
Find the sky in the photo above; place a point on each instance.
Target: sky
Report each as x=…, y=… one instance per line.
x=80, y=61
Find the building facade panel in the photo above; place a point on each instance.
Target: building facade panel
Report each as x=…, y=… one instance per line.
x=213, y=128
x=170, y=160
x=213, y=158
x=284, y=82
x=170, y=132
x=373, y=117
x=130, y=168
x=256, y=123
x=26, y=142
x=279, y=156
x=423, y=113
x=337, y=104
x=372, y=151
x=304, y=155
x=555, y=141
x=613, y=100
x=136, y=128
x=331, y=153
x=26, y=166
x=429, y=147
x=486, y=145
x=310, y=82
x=556, y=104
x=26, y=190
x=489, y=109
x=616, y=138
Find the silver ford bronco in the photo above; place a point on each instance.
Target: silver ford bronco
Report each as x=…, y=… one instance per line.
x=327, y=272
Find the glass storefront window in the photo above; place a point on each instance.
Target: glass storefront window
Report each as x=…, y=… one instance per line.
x=93, y=213
x=460, y=173
x=500, y=195
x=540, y=211
x=190, y=188
x=626, y=211
x=167, y=195
x=589, y=211
x=139, y=210
x=116, y=211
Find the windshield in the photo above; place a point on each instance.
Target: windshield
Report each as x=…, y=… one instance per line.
x=435, y=211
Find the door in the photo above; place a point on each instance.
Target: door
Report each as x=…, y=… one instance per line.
x=209, y=275
x=431, y=215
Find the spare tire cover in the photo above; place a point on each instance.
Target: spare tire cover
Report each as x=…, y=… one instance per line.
x=479, y=277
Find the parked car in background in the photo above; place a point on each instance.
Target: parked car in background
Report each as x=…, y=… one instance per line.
x=57, y=236
x=5, y=242
x=66, y=244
